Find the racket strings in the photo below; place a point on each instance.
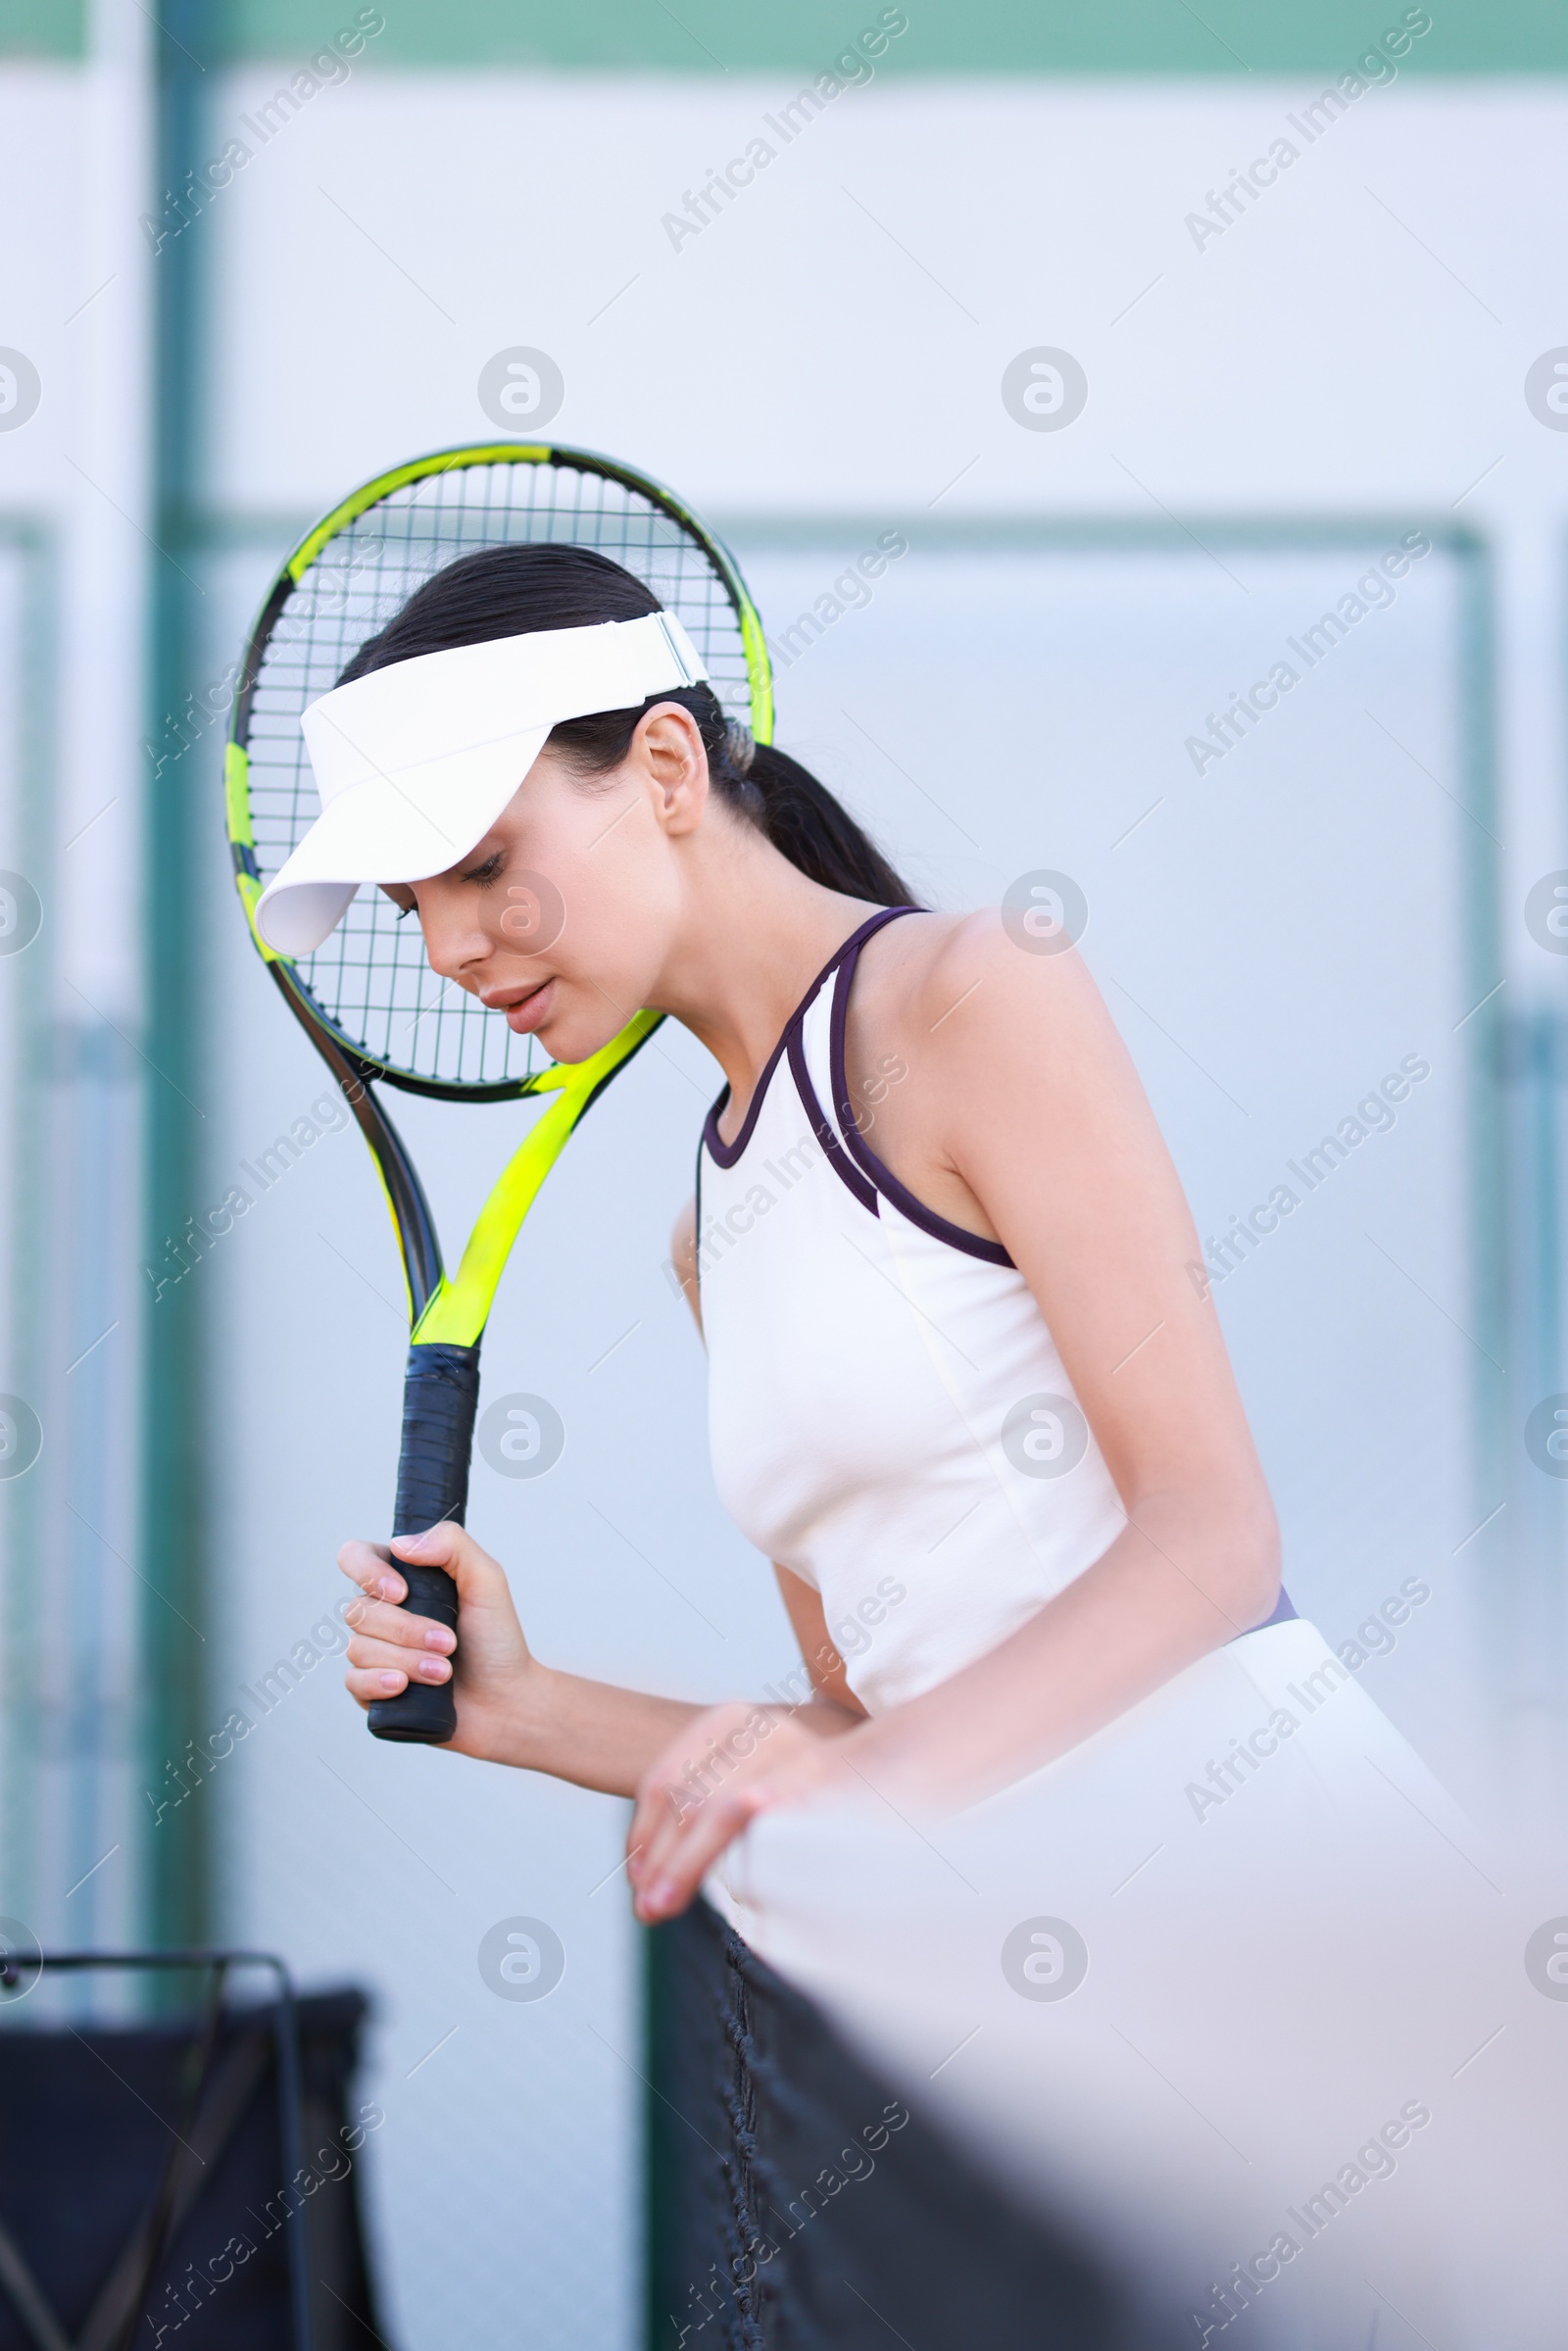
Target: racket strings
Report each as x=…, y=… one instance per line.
x=371, y=978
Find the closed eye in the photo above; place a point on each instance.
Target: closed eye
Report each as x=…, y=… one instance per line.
x=486, y=873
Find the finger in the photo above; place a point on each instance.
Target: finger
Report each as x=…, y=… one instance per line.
x=639, y=1836
x=640, y=1841
x=445, y=1544
x=365, y=1688
x=370, y=1565
x=660, y=1803
x=413, y=1664
x=681, y=1777
x=377, y=1620
x=701, y=1841
x=481, y=1580
x=665, y=1817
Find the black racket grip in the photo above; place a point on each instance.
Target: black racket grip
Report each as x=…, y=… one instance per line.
x=440, y=1397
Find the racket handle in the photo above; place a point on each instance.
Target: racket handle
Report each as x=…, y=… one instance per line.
x=440, y=1397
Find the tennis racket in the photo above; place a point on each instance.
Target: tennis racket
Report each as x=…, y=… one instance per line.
x=368, y=1000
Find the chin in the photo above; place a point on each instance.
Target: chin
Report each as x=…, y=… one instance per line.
x=573, y=1038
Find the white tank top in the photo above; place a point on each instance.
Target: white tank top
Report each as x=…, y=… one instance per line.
x=888, y=1413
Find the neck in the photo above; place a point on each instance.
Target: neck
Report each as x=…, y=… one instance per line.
x=754, y=934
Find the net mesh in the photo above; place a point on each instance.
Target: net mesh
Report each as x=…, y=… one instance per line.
x=371, y=978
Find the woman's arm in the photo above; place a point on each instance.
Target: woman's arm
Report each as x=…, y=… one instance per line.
x=512, y=1709
x=516, y=1710
x=1024, y=1120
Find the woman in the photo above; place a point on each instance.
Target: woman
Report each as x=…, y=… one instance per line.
x=967, y=1390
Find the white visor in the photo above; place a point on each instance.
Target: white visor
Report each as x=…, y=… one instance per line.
x=416, y=762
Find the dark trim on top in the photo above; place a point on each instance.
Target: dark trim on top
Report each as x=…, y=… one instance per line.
x=725, y=1154
x=940, y=1228
x=823, y=1129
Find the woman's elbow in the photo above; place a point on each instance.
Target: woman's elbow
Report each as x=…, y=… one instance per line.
x=1247, y=1562
x=1223, y=1541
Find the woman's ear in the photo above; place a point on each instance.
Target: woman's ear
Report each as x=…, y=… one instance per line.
x=668, y=746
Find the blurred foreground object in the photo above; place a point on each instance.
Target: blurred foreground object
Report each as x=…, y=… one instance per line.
x=1283, y=2039
x=799, y=2199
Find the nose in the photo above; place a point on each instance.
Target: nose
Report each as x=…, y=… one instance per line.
x=456, y=943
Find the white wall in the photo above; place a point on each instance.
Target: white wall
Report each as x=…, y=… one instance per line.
x=1292, y=919
x=73, y=480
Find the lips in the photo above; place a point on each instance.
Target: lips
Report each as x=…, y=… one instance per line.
x=525, y=1012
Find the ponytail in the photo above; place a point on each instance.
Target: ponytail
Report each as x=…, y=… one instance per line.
x=512, y=590
x=808, y=826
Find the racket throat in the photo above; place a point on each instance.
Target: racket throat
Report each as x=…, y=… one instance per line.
x=418, y=1244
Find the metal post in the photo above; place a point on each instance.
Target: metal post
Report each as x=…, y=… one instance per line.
x=180, y=803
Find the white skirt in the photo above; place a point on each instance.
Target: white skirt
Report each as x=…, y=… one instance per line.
x=1234, y=1983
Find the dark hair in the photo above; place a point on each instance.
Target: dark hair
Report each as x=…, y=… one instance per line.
x=511, y=591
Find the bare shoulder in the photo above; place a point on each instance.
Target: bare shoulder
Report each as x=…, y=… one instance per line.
x=1017, y=1077
x=959, y=983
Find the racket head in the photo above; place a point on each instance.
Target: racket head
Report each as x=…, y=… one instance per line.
x=368, y=986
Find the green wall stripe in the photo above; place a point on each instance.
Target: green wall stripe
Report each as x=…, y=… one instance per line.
x=43, y=28
x=944, y=36
x=175, y=1435
x=1229, y=37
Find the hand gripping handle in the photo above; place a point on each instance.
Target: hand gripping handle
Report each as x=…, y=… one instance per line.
x=440, y=1397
